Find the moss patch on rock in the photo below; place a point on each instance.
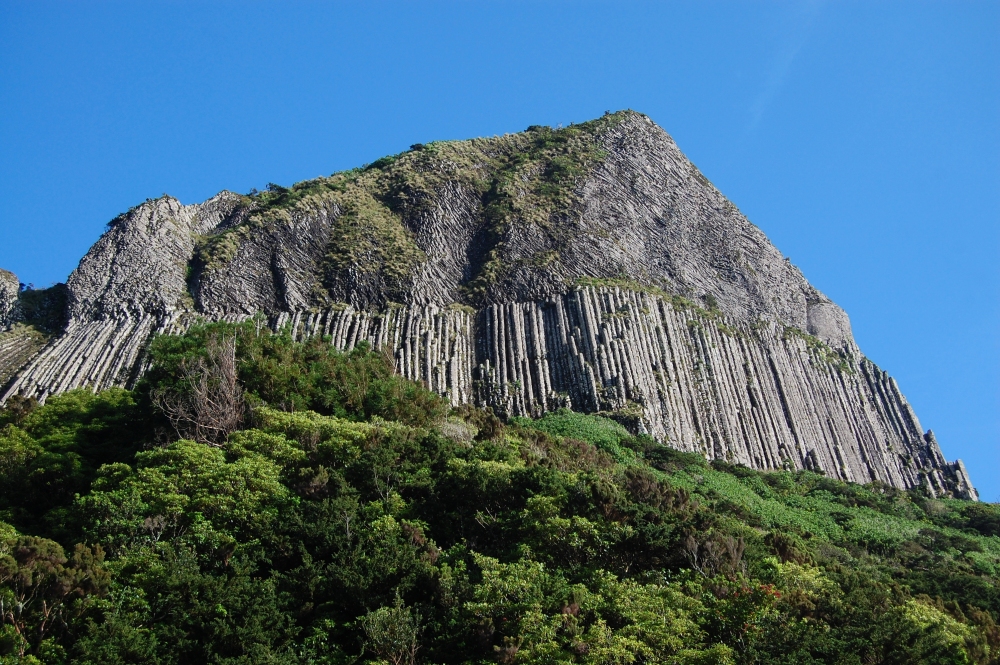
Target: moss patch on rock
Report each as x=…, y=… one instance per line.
x=525, y=179
x=821, y=350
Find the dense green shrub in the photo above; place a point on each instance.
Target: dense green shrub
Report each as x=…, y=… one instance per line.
x=296, y=376
x=45, y=309
x=352, y=519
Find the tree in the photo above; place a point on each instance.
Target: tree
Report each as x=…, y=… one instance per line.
x=208, y=404
x=393, y=633
x=39, y=585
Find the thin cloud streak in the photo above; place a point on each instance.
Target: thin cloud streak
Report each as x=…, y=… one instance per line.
x=783, y=61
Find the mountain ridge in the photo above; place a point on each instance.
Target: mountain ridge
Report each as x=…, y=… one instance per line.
x=591, y=267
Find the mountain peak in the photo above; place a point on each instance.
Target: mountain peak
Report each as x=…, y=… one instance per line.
x=591, y=266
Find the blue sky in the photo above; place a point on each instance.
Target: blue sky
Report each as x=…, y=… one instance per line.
x=863, y=138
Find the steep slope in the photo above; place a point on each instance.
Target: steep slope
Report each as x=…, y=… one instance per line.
x=592, y=267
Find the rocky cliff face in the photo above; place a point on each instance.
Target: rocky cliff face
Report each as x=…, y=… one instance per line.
x=591, y=267
x=10, y=289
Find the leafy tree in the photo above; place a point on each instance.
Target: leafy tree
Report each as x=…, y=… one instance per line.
x=42, y=589
x=392, y=633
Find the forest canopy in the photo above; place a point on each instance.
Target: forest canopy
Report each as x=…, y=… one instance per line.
x=258, y=499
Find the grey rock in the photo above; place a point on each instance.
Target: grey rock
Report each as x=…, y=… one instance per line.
x=637, y=291
x=140, y=265
x=10, y=289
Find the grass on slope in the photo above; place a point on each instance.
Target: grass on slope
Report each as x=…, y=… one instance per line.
x=524, y=179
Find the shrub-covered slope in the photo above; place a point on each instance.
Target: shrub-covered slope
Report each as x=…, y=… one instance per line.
x=351, y=516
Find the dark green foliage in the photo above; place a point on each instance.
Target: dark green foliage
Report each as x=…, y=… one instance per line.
x=17, y=409
x=45, y=309
x=50, y=454
x=353, y=520
x=311, y=375
x=42, y=589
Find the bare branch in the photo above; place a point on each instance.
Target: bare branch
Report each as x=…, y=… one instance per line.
x=211, y=405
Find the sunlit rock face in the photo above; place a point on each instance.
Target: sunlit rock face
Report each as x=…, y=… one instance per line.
x=592, y=267
x=9, y=290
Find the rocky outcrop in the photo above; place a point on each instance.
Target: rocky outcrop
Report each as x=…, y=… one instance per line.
x=767, y=396
x=10, y=289
x=27, y=320
x=18, y=345
x=592, y=268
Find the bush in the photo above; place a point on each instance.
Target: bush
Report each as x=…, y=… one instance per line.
x=344, y=521
x=312, y=375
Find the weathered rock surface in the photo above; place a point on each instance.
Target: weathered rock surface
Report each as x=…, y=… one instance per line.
x=24, y=322
x=593, y=268
x=10, y=289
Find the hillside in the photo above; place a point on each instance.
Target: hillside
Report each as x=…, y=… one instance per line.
x=323, y=509
x=591, y=267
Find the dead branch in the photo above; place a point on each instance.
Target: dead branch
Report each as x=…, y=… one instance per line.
x=209, y=404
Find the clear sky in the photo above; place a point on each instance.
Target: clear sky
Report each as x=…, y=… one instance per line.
x=862, y=137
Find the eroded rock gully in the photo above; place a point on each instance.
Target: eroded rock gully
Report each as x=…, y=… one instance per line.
x=631, y=287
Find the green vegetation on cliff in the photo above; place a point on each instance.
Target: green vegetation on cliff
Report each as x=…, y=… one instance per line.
x=350, y=516
x=516, y=180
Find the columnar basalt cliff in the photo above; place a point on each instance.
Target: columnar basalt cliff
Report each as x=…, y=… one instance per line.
x=592, y=267
x=10, y=289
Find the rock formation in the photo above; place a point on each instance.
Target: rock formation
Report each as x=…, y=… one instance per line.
x=10, y=289
x=592, y=267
